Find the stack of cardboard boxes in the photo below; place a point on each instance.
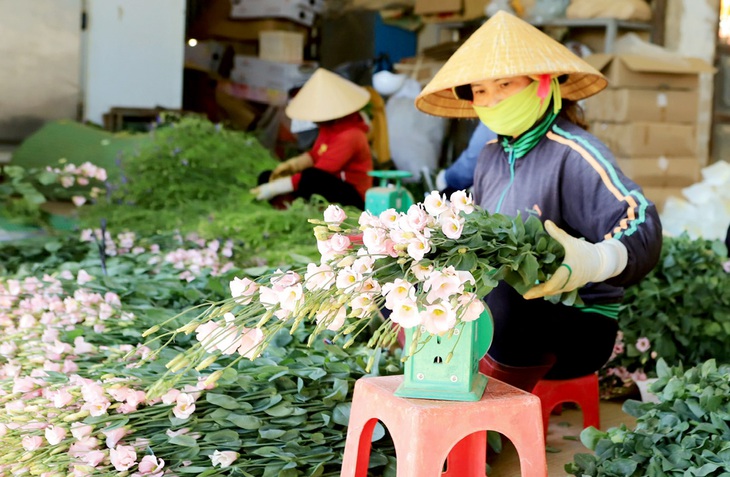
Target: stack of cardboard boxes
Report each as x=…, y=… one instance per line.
x=648, y=118
x=279, y=66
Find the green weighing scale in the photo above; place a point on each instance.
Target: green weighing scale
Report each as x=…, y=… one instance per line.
x=388, y=195
x=429, y=376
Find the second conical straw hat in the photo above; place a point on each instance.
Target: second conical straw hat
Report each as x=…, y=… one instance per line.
x=506, y=46
x=327, y=96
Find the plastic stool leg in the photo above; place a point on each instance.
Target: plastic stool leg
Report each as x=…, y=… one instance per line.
x=590, y=403
x=357, y=449
x=468, y=458
x=529, y=442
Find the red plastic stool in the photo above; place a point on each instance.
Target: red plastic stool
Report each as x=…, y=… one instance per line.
x=427, y=433
x=582, y=391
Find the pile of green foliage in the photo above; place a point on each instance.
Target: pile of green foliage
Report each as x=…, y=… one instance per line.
x=680, y=311
x=195, y=176
x=685, y=434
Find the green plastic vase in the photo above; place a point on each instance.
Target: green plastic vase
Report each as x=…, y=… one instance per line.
x=428, y=375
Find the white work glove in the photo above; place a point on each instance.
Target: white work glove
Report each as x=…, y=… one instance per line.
x=441, y=183
x=584, y=262
x=292, y=166
x=273, y=188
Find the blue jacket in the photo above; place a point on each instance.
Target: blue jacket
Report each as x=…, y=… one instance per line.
x=571, y=178
x=460, y=175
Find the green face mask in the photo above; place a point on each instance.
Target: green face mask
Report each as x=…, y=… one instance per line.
x=517, y=114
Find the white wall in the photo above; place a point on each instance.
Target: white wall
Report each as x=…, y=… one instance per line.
x=39, y=64
x=134, y=55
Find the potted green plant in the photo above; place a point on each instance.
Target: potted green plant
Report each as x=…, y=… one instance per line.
x=685, y=434
x=679, y=312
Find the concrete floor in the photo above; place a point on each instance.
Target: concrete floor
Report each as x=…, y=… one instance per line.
x=561, y=450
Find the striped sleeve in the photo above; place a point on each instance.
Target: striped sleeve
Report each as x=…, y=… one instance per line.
x=601, y=203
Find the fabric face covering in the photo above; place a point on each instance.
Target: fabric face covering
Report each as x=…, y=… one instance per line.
x=516, y=114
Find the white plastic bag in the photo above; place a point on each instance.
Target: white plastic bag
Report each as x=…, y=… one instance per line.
x=704, y=211
x=415, y=138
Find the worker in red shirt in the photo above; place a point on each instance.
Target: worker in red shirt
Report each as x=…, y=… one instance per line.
x=337, y=166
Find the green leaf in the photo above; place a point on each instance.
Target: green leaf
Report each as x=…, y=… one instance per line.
x=222, y=400
x=341, y=413
x=247, y=422
x=224, y=436
x=183, y=440
x=590, y=437
x=271, y=433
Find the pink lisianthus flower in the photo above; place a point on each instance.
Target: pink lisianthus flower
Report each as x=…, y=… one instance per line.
x=150, y=465
x=31, y=443
x=114, y=436
x=643, y=344
x=170, y=396
x=81, y=431
x=451, y=225
x=334, y=215
x=435, y=203
x=462, y=202
x=243, y=289
x=184, y=407
x=418, y=247
x=250, y=339
x=406, y=314
x=223, y=458
x=123, y=457
x=318, y=277
x=439, y=318
x=55, y=434
x=472, y=307
x=93, y=457
x=396, y=291
x=334, y=318
x=206, y=335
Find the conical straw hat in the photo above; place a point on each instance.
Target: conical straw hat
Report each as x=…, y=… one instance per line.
x=326, y=96
x=506, y=46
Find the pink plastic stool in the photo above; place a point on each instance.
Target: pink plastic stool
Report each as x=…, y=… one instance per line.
x=582, y=391
x=427, y=433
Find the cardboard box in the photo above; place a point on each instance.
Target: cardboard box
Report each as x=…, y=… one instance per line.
x=642, y=139
x=298, y=11
x=450, y=10
x=659, y=195
x=267, y=81
x=285, y=46
x=624, y=105
x=636, y=71
x=422, y=70
x=214, y=22
x=661, y=171
x=425, y=7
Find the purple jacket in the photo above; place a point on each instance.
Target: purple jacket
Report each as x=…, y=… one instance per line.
x=571, y=178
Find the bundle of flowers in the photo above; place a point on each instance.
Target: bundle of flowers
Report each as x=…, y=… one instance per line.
x=427, y=269
x=73, y=397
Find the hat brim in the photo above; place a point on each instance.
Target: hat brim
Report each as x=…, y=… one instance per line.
x=327, y=96
x=505, y=47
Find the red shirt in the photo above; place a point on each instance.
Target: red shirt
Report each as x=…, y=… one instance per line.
x=342, y=150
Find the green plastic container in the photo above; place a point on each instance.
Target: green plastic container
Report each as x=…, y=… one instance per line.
x=428, y=375
x=388, y=195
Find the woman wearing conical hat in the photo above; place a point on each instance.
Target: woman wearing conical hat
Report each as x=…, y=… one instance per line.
x=337, y=166
x=523, y=85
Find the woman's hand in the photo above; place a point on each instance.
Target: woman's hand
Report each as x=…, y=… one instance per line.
x=584, y=262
